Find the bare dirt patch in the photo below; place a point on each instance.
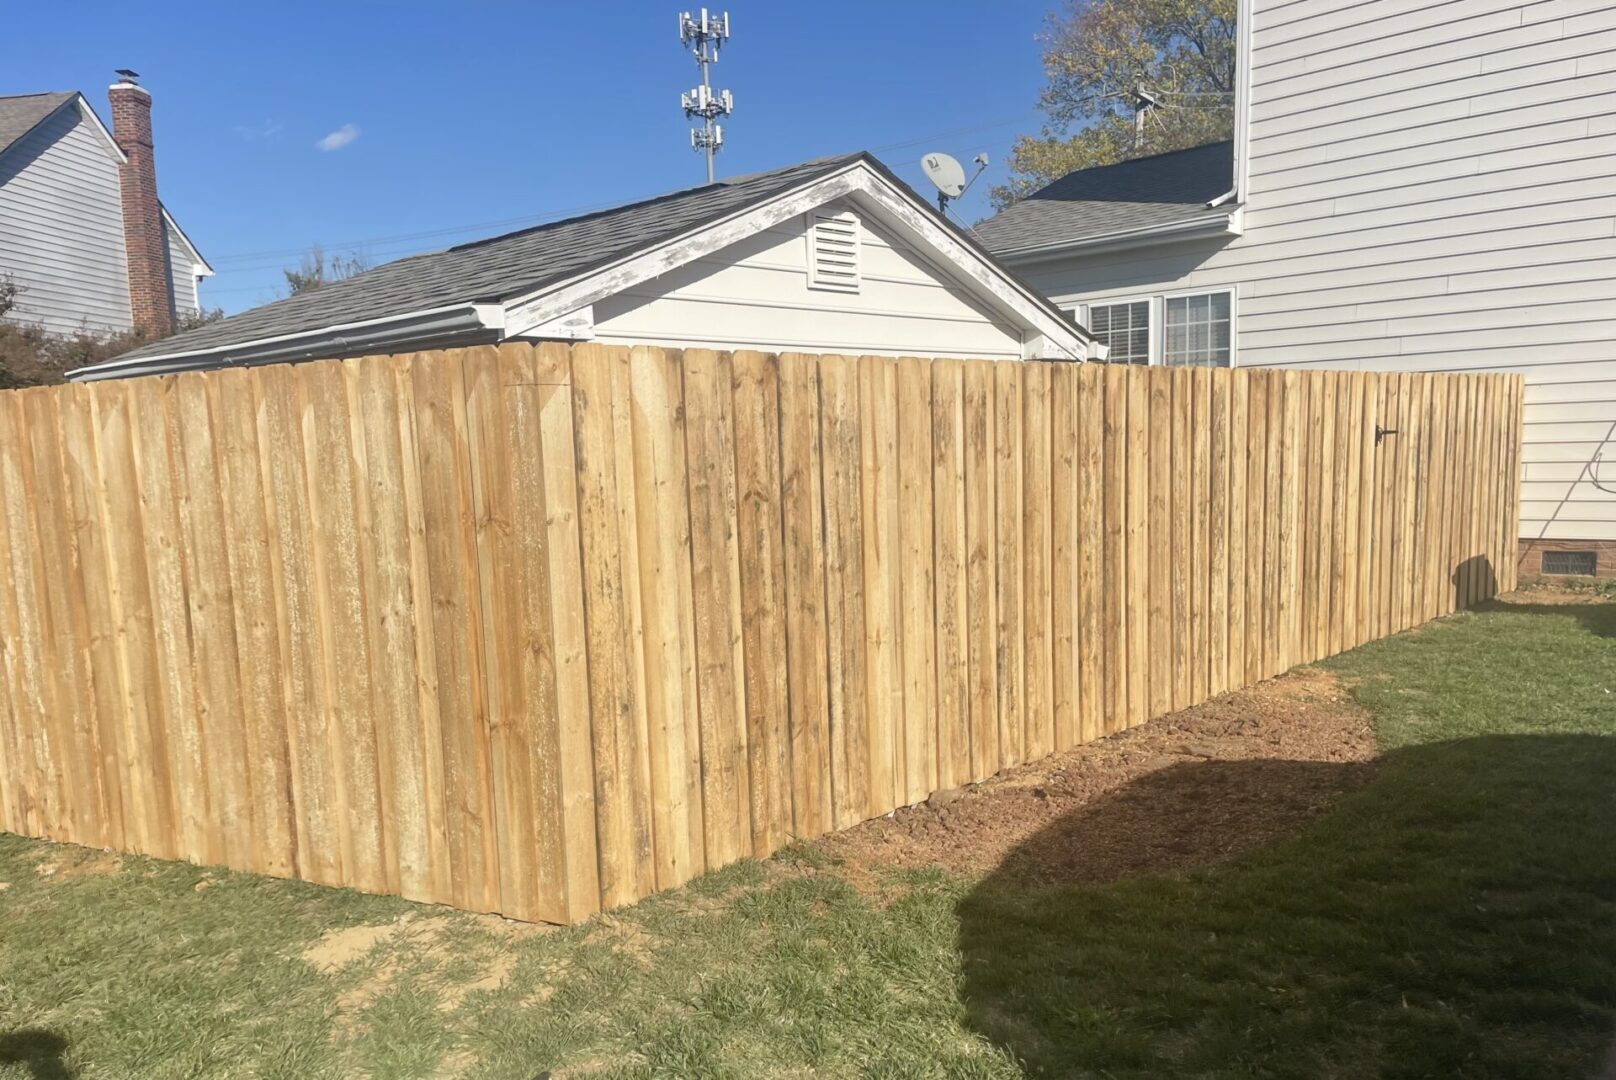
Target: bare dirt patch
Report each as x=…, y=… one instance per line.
x=1187, y=789
x=626, y=938
x=70, y=861
x=1558, y=593
x=493, y=977
x=408, y=946
x=336, y=949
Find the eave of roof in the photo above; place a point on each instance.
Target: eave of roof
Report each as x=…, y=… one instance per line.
x=476, y=321
x=1212, y=222
x=53, y=102
x=1126, y=203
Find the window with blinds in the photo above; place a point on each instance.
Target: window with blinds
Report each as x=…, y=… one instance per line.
x=1124, y=329
x=833, y=252
x=1198, y=330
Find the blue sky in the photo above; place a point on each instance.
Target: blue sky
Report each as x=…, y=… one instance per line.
x=473, y=119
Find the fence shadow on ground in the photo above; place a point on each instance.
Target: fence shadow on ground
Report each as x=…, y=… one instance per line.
x=39, y=1050
x=1596, y=618
x=1454, y=915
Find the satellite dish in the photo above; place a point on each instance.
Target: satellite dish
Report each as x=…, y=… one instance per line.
x=946, y=173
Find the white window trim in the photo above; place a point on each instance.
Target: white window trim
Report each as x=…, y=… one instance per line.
x=1234, y=320
x=1158, y=317
x=1153, y=350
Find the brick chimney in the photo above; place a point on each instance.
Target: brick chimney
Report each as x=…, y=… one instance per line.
x=149, y=285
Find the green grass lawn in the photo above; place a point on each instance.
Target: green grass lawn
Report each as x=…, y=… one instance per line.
x=1455, y=916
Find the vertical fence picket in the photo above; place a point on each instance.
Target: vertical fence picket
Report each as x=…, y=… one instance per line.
x=755, y=388
x=663, y=485
x=807, y=661
x=951, y=551
x=715, y=567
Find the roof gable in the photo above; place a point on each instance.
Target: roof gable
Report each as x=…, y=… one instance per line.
x=491, y=270
x=1151, y=191
x=541, y=273
x=22, y=113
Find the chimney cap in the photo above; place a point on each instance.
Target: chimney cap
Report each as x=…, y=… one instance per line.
x=126, y=74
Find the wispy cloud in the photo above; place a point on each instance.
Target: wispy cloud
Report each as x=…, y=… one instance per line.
x=339, y=138
x=267, y=130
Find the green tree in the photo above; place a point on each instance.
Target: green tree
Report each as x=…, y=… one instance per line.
x=1097, y=55
x=31, y=357
x=315, y=271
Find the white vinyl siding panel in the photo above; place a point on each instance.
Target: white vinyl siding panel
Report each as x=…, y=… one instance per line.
x=756, y=294
x=182, y=274
x=61, y=228
x=1432, y=187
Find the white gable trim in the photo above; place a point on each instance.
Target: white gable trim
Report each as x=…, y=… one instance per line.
x=897, y=209
x=1044, y=332
x=199, y=264
x=88, y=116
x=1041, y=332
x=576, y=325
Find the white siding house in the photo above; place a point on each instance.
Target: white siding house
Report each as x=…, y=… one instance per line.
x=762, y=293
x=63, y=239
x=834, y=255
x=1417, y=185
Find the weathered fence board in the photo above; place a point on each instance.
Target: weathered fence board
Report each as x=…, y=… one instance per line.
x=542, y=630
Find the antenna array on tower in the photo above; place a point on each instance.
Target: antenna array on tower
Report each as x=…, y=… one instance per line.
x=704, y=35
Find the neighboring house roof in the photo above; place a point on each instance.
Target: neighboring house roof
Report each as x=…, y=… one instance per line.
x=444, y=296
x=22, y=113
x=1141, y=197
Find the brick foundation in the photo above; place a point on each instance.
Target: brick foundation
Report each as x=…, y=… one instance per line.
x=1531, y=564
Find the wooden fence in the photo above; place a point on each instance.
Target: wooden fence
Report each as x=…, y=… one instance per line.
x=542, y=630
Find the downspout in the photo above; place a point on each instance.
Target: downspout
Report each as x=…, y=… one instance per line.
x=1242, y=103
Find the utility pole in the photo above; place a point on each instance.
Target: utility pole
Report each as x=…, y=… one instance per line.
x=704, y=35
x=1143, y=101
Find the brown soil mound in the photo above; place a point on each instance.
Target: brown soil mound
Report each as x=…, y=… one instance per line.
x=1184, y=790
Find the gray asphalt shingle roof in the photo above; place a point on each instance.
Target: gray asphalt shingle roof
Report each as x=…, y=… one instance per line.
x=496, y=269
x=19, y=114
x=1157, y=190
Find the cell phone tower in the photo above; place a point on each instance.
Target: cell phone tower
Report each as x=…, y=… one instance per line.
x=704, y=35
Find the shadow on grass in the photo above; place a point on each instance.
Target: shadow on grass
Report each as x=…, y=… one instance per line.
x=39, y=1050
x=1473, y=577
x=1454, y=916
x=1596, y=618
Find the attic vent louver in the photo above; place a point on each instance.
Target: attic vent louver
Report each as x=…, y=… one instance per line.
x=833, y=251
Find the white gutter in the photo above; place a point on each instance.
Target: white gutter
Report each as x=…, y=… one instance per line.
x=1225, y=224
x=444, y=323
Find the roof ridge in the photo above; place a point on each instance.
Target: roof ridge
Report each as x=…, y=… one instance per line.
x=652, y=200
x=1152, y=157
